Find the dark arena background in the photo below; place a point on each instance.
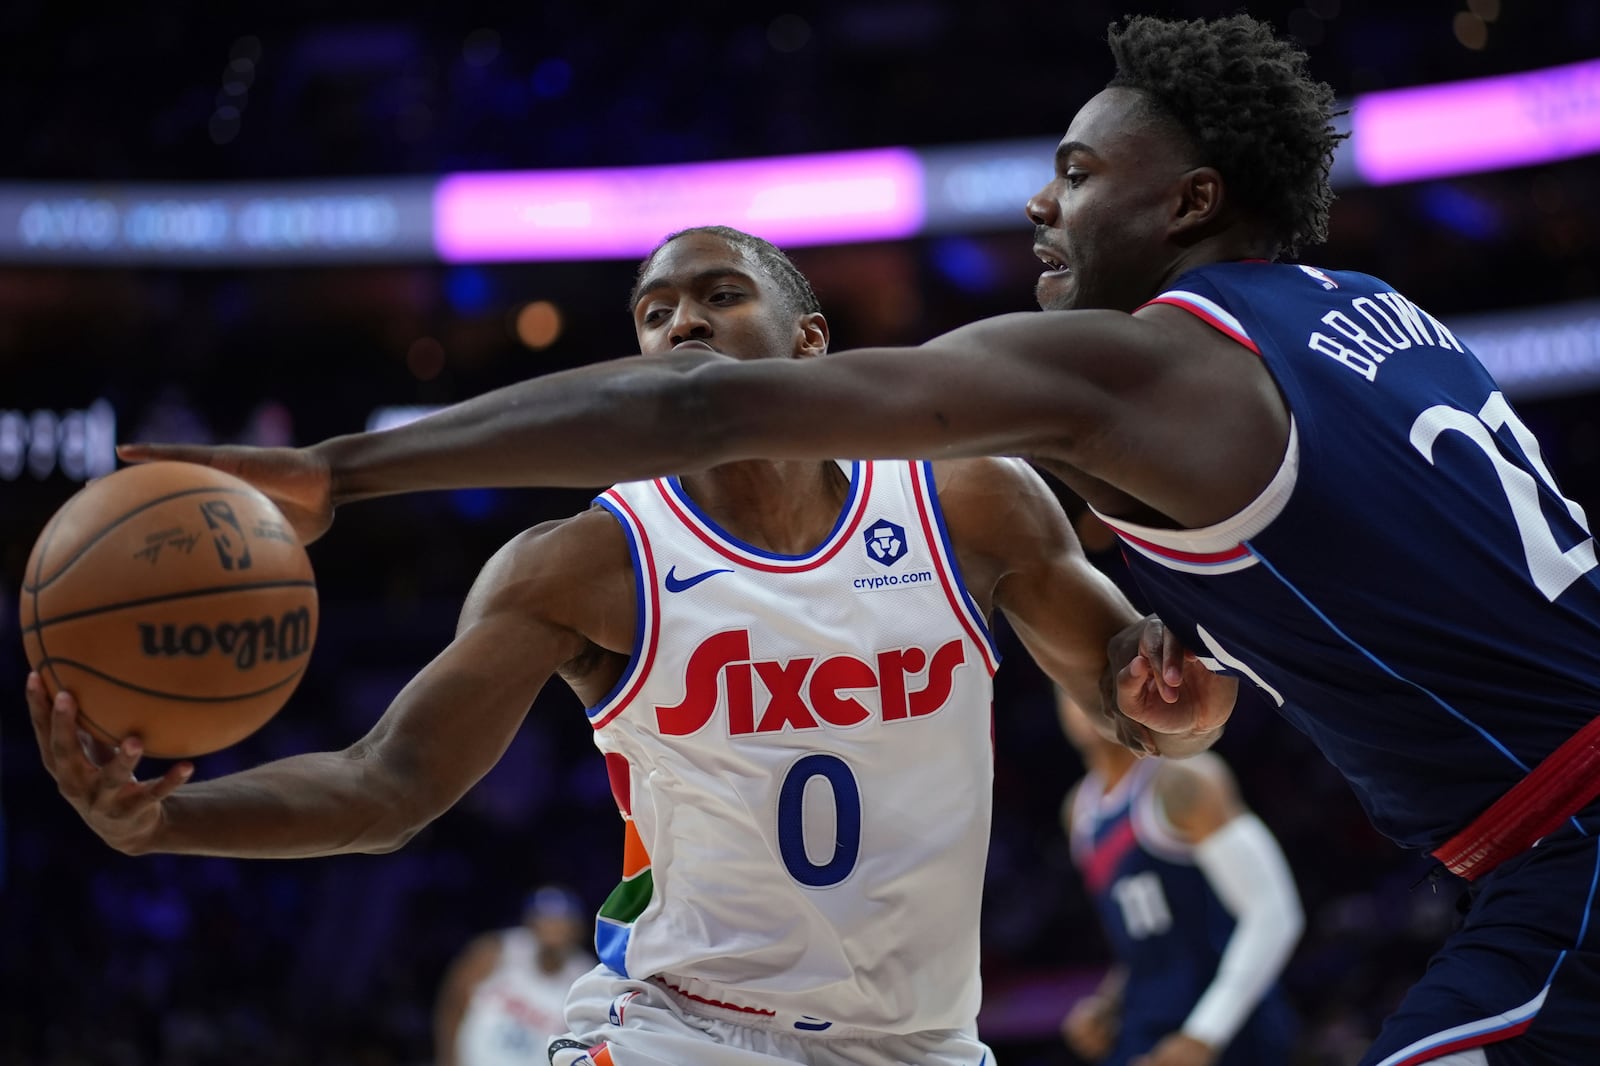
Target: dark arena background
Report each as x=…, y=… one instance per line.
x=270, y=223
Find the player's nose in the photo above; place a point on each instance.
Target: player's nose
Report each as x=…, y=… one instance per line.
x=1041, y=208
x=689, y=323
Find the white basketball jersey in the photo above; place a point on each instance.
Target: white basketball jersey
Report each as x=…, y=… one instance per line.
x=801, y=749
x=514, y=1011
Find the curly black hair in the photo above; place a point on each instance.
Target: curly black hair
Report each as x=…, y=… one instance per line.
x=796, y=289
x=1243, y=96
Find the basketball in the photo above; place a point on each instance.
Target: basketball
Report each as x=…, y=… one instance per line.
x=175, y=602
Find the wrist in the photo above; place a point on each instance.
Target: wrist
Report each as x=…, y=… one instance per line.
x=1182, y=745
x=339, y=457
x=1205, y=1050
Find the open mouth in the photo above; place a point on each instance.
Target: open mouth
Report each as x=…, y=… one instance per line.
x=1054, y=264
x=698, y=345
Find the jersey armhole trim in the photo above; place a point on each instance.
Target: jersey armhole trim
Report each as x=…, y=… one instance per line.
x=647, y=620
x=1208, y=311
x=1223, y=547
x=955, y=588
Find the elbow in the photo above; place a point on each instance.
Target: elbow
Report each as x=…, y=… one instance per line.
x=1294, y=923
x=399, y=810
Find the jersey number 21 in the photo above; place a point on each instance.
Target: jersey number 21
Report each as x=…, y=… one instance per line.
x=1553, y=570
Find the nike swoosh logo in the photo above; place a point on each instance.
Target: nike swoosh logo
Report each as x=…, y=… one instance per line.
x=675, y=583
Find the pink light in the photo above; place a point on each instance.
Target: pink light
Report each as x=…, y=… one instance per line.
x=1487, y=124
x=624, y=212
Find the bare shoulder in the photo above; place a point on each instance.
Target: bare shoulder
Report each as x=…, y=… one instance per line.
x=991, y=494
x=1002, y=518
x=1199, y=794
x=565, y=550
x=1175, y=449
x=576, y=572
x=984, y=476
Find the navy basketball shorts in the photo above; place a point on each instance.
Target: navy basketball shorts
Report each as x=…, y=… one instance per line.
x=1519, y=983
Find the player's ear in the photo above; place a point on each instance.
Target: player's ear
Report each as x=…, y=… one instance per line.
x=1199, y=201
x=811, y=335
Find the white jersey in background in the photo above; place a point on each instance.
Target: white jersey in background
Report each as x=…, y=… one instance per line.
x=514, y=1010
x=801, y=748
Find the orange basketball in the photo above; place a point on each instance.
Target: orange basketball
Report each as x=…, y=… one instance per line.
x=175, y=602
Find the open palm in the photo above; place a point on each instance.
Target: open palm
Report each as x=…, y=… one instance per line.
x=296, y=479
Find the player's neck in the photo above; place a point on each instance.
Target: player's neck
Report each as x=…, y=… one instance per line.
x=784, y=507
x=1228, y=246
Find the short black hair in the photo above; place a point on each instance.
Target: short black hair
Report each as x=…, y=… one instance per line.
x=792, y=284
x=1243, y=96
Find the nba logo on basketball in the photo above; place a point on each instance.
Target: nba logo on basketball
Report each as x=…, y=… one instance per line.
x=886, y=542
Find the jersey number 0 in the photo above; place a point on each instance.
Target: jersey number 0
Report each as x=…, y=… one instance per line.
x=847, y=816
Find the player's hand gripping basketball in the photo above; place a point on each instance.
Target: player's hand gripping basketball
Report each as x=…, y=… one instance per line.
x=98, y=781
x=298, y=480
x=1166, y=700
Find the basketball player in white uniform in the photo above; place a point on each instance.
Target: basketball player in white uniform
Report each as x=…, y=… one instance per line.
x=505, y=995
x=787, y=666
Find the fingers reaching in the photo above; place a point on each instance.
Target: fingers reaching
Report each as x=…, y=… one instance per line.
x=64, y=748
x=148, y=453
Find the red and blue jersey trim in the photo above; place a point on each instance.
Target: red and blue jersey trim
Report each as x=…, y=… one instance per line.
x=1226, y=561
x=1469, y=1035
x=1208, y=311
x=949, y=571
x=730, y=547
x=647, y=620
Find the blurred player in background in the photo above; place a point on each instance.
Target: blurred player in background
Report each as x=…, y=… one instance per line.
x=788, y=668
x=504, y=996
x=1197, y=902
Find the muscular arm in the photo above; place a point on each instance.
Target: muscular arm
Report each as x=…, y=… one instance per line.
x=442, y=733
x=1003, y=518
x=1129, y=399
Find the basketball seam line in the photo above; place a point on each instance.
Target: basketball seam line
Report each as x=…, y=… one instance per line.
x=157, y=693
x=84, y=548
x=209, y=590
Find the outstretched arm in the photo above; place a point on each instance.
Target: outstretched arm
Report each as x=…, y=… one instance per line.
x=1119, y=396
x=443, y=732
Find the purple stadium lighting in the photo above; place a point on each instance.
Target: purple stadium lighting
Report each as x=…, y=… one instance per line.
x=1486, y=124
x=624, y=212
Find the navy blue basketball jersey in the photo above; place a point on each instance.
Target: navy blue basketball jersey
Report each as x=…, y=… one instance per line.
x=1163, y=919
x=1412, y=590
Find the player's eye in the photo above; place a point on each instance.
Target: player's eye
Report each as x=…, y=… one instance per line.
x=655, y=315
x=1076, y=178
x=725, y=296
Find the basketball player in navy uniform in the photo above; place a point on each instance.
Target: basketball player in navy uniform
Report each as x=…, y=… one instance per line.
x=1196, y=900
x=1317, y=485
x=788, y=669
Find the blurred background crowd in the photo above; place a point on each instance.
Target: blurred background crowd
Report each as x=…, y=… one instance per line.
x=190, y=962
